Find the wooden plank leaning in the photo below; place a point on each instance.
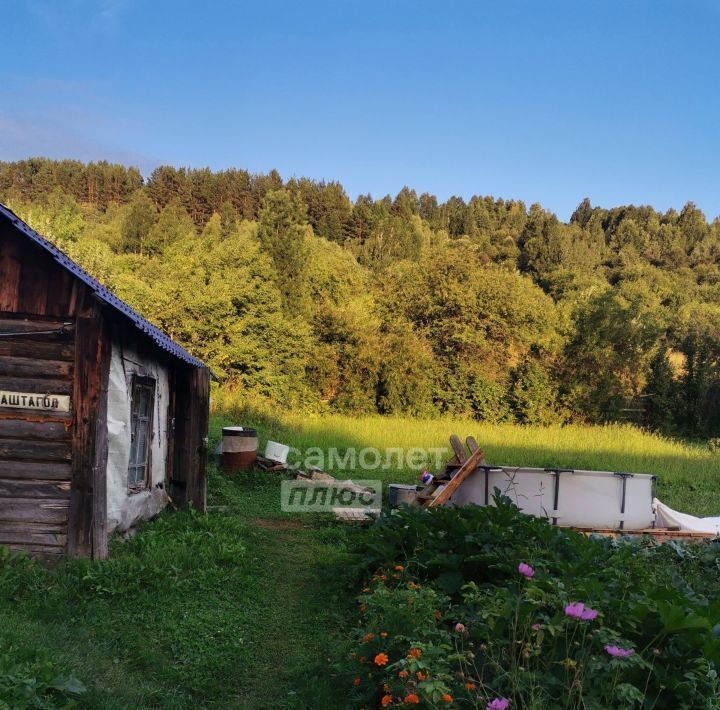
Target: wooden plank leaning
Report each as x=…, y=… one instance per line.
x=472, y=462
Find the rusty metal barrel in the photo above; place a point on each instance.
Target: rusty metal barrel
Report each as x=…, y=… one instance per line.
x=239, y=448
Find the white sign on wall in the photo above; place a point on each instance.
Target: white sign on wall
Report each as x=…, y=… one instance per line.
x=26, y=400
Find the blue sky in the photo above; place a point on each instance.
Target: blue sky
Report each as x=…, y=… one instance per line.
x=544, y=101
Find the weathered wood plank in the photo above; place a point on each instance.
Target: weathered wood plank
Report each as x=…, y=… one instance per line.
x=33, y=287
x=100, y=453
x=471, y=463
x=28, y=535
x=14, y=488
x=458, y=448
x=61, y=293
x=30, y=470
x=33, y=539
x=9, y=270
x=191, y=428
x=35, y=426
x=15, y=366
x=36, y=385
x=23, y=450
x=10, y=527
x=39, y=349
x=32, y=326
x=44, y=510
x=90, y=356
x=43, y=551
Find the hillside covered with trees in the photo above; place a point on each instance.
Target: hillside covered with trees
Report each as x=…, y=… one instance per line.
x=488, y=307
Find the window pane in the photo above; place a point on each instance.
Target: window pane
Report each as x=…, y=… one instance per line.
x=141, y=408
x=144, y=404
x=142, y=443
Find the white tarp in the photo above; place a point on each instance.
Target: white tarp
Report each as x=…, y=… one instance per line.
x=666, y=517
x=126, y=508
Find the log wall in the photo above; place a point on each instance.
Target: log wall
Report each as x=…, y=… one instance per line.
x=39, y=306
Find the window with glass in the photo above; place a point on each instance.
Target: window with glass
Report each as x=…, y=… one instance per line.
x=143, y=398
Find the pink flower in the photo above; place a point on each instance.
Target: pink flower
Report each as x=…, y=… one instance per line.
x=526, y=570
x=460, y=628
x=618, y=652
x=536, y=627
x=498, y=704
x=577, y=610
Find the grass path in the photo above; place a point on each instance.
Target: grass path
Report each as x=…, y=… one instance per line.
x=296, y=604
x=292, y=621
x=241, y=608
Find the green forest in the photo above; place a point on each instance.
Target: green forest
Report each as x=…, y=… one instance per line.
x=297, y=296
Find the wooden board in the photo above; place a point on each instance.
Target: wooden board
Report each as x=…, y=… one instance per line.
x=34, y=510
x=465, y=470
x=27, y=450
x=192, y=395
x=36, y=385
x=56, y=471
x=458, y=448
x=89, y=451
x=34, y=488
x=18, y=366
x=37, y=426
x=33, y=534
x=35, y=348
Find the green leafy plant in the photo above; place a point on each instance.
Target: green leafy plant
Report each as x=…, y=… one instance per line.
x=474, y=606
x=28, y=679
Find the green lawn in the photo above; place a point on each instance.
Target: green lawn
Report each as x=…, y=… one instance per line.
x=688, y=474
x=241, y=608
x=246, y=607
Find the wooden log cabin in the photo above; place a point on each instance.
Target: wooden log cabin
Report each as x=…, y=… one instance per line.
x=103, y=418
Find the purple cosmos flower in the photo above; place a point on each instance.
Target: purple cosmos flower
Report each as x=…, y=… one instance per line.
x=526, y=570
x=617, y=652
x=460, y=628
x=577, y=610
x=536, y=627
x=498, y=704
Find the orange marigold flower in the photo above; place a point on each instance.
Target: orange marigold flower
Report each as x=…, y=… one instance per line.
x=366, y=589
x=383, y=634
x=446, y=698
x=356, y=681
x=381, y=659
x=421, y=675
x=470, y=686
x=414, y=653
x=386, y=700
x=412, y=699
x=399, y=568
x=403, y=674
x=383, y=577
x=368, y=637
x=437, y=614
x=363, y=608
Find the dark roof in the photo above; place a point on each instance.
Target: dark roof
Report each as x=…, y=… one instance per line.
x=144, y=326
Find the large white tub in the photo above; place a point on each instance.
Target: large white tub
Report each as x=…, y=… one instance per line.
x=583, y=499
